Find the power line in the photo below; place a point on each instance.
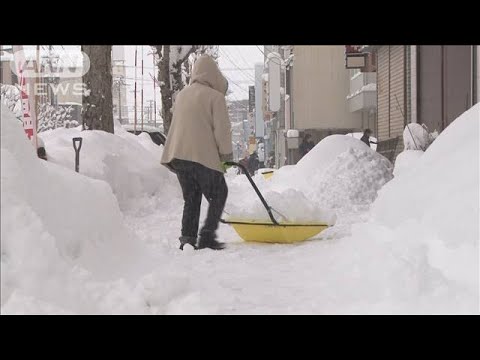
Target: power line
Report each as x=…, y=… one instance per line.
x=271, y=59
x=241, y=56
x=132, y=66
x=236, y=66
x=258, y=47
x=239, y=103
x=233, y=82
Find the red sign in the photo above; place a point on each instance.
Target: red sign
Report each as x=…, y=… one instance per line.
x=28, y=108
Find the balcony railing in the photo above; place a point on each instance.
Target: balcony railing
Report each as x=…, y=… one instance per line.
x=363, y=94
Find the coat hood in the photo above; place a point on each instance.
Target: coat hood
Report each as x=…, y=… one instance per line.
x=205, y=71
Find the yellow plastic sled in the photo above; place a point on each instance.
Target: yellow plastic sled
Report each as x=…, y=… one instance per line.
x=270, y=233
x=274, y=232
x=267, y=174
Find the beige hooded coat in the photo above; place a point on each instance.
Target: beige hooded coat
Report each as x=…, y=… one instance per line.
x=200, y=129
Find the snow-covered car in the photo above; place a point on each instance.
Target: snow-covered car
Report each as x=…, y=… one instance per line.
x=156, y=134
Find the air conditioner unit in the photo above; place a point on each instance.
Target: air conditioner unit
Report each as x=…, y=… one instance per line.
x=355, y=61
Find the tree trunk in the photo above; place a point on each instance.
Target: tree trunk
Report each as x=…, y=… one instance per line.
x=97, y=102
x=169, y=88
x=163, y=52
x=177, y=71
x=188, y=71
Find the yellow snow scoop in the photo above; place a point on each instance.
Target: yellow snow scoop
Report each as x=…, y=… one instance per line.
x=274, y=232
x=267, y=174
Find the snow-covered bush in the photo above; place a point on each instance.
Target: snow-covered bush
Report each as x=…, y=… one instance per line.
x=49, y=118
x=10, y=96
x=52, y=117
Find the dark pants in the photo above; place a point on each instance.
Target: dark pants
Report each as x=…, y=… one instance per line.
x=197, y=180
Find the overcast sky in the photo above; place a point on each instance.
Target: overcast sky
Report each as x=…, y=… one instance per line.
x=236, y=62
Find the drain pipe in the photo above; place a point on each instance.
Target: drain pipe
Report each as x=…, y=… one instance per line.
x=472, y=75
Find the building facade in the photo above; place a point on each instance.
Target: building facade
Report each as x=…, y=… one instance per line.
x=426, y=84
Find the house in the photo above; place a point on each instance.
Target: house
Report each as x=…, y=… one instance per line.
x=425, y=84
x=317, y=87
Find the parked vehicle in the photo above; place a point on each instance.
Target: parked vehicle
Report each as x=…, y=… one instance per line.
x=157, y=136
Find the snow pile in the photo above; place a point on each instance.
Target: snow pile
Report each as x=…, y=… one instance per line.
x=339, y=175
x=129, y=163
x=139, y=127
x=437, y=202
x=290, y=205
x=326, y=151
x=146, y=141
x=416, y=253
x=416, y=137
x=64, y=245
x=358, y=135
x=352, y=179
x=406, y=161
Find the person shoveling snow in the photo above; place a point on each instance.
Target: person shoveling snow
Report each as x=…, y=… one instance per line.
x=198, y=145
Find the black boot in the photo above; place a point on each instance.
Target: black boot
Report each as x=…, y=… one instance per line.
x=208, y=240
x=188, y=240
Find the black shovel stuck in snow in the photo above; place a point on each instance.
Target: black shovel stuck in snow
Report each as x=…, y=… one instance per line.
x=77, y=140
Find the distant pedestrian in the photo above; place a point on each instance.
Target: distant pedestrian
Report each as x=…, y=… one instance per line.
x=306, y=145
x=253, y=163
x=271, y=159
x=244, y=162
x=366, y=137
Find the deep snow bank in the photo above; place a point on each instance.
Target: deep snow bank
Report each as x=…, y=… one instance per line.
x=62, y=235
x=337, y=176
x=129, y=163
x=437, y=202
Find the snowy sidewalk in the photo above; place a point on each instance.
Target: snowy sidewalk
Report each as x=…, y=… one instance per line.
x=106, y=240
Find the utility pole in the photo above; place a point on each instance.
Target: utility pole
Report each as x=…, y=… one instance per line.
x=142, y=87
x=135, y=96
x=119, y=103
x=37, y=103
x=154, y=92
x=150, y=111
x=50, y=96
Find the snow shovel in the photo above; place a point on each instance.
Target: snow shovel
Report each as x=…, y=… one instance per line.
x=77, y=152
x=274, y=232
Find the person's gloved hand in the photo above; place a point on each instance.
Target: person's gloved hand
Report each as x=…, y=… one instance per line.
x=225, y=167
